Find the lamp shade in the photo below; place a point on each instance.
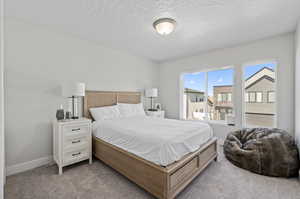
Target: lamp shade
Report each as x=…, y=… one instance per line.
x=152, y=92
x=75, y=89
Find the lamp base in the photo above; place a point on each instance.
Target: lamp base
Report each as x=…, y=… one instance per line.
x=152, y=109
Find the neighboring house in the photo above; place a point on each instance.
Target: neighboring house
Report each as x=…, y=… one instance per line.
x=194, y=104
x=260, y=106
x=259, y=101
x=223, y=101
x=259, y=98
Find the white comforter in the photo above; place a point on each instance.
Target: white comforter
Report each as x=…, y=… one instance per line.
x=161, y=141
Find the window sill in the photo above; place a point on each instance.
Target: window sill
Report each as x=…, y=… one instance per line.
x=214, y=122
x=218, y=122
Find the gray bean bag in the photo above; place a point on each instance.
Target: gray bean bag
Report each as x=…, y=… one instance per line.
x=270, y=152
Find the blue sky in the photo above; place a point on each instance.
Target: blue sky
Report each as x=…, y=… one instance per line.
x=251, y=69
x=219, y=77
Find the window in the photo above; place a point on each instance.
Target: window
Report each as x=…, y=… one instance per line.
x=220, y=98
x=271, y=96
x=229, y=97
x=219, y=82
x=252, y=97
x=216, y=89
x=215, y=95
x=259, y=91
x=194, y=85
x=259, y=97
x=224, y=97
x=246, y=97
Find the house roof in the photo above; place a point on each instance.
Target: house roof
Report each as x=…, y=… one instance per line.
x=223, y=86
x=189, y=90
x=264, y=73
x=262, y=69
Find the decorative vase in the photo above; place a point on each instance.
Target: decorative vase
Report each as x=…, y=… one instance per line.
x=60, y=115
x=68, y=115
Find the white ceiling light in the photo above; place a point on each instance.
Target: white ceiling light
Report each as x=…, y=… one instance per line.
x=164, y=26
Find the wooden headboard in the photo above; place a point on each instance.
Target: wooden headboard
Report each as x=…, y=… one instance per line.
x=107, y=98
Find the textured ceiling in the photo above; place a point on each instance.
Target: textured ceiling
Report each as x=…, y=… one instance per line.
x=127, y=24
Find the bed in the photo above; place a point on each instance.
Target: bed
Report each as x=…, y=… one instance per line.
x=163, y=177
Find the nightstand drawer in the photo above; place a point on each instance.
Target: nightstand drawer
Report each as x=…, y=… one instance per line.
x=72, y=142
x=75, y=141
x=75, y=155
x=157, y=114
x=75, y=130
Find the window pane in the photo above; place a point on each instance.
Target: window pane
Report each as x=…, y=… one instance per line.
x=219, y=97
x=194, y=96
x=229, y=97
x=224, y=99
x=252, y=97
x=260, y=110
x=271, y=97
x=247, y=97
x=219, y=86
x=216, y=103
x=259, y=97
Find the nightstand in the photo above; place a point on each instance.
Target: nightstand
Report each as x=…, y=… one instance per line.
x=72, y=142
x=159, y=114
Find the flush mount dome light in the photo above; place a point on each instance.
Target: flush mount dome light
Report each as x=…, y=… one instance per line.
x=164, y=26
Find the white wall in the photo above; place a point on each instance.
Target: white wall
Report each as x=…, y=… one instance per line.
x=297, y=85
x=38, y=61
x=2, y=168
x=280, y=48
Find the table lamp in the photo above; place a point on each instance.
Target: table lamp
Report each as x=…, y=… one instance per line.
x=74, y=90
x=151, y=93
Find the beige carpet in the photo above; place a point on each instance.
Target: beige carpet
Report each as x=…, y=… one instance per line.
x=221, y=180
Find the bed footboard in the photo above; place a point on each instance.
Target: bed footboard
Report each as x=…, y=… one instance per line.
x=162, y=182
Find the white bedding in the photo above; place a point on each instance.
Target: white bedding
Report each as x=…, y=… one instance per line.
x=161, y=141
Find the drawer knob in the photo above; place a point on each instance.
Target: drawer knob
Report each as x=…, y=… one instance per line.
x=78, y=129
x=75, y=154
x=74, y=142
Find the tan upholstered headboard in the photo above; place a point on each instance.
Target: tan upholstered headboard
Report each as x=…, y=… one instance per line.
x=107, y=98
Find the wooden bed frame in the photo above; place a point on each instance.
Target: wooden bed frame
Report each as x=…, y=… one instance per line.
x=162, y=182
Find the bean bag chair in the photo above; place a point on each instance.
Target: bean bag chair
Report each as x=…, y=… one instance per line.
x=270, y=152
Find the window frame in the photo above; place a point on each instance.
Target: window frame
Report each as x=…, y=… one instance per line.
x=268, y=97
x=243, y=91
x=224, y=97
x=220, y=97
x=252, y=92
x=262, y=97
x=206, y=110
x=229, y=97
x=246, y=95
x=238, y=92
x=255, y=97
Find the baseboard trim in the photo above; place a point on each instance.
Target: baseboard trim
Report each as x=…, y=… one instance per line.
x=25, y=166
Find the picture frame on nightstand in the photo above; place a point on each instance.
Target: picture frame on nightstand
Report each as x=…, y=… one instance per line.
x=157, y=106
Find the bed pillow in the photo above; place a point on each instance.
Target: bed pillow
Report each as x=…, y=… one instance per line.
x=129, y=110
x=105, y=113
